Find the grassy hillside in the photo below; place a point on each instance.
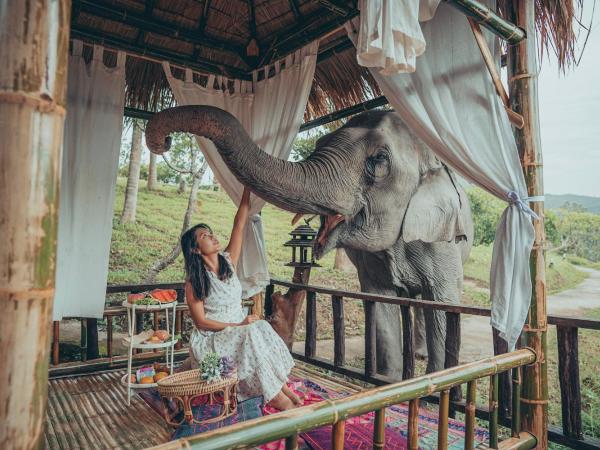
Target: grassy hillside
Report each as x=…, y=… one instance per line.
x=159, y=215
x=591, y=204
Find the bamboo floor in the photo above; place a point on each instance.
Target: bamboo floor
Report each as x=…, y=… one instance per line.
x=91, y=411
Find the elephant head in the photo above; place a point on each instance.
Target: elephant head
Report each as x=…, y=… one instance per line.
x=372, y=181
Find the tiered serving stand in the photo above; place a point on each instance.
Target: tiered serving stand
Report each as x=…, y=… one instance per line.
x=136, y=340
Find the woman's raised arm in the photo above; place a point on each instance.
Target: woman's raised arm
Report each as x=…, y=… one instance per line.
x=237, y=233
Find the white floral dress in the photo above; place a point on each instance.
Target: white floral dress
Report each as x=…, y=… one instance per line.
x=262, y=358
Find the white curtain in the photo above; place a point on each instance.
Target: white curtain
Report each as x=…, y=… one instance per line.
x=271, y=111
x=92, y=140
x=450, y=102
x=390, y=36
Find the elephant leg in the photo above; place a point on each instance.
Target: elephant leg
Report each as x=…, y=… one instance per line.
x=436, y=339
x=420, y=339
x=389, y=340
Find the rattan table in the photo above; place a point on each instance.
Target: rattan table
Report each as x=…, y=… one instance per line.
x=184, y=387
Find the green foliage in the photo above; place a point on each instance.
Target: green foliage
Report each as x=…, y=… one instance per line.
x=580, y=232
x=304, y=146
x=486, y=210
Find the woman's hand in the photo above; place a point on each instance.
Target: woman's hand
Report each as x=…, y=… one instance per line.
x=251, y=318
x=245, y=197
x=239, y=223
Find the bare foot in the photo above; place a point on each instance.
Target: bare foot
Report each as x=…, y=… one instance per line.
x=281, y=402
x=297, y=401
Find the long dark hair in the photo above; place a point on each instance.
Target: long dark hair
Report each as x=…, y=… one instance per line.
x=195, y=269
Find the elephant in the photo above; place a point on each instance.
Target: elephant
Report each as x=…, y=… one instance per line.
x=381, y=194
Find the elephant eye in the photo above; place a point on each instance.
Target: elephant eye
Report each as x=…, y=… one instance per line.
x=378, y=165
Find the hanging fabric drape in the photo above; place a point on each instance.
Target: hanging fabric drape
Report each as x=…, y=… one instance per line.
x=450, y=102
x=92, y=140
x=271, y=111
x=390, y=36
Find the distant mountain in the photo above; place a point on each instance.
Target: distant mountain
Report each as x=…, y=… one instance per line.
x=591, y=204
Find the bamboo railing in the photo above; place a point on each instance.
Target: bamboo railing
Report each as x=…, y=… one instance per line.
x=568, y=356
x=287, y=425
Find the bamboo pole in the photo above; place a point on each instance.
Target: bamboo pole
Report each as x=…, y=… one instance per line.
x=379, y=430
x=34, y=48
x=413, y=424
x=443, y=411
x=493, y=408
x=522, y=73
x=470, y=415
x=337, y=436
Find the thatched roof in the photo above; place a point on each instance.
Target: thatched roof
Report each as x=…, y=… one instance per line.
x=234, y=37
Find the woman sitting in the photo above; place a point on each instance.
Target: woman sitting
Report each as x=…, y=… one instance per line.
x=214, y=296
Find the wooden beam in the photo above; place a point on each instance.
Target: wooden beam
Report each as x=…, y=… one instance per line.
x=149, y=24
x=296, y=10
x=155, y=54
x=343, y=113
x=570, y=389
x=33, y=85
x=522, y=81
x=502, y=28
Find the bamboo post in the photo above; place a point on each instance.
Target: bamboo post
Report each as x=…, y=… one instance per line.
x=453, y=349
x=291, y=442
x=413, y=424
x=443, y=411
x=522, y=80
x=337, y=435
x=178, y=328
x=470, y=415
x=493, y=408
x=379, y=430
x=516, y=402
x=570, y=391
x=505, y=387
x=339, y=331
x=310, y=344
x=34, y=48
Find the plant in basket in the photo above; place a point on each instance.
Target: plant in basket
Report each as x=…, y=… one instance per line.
x=214, y=368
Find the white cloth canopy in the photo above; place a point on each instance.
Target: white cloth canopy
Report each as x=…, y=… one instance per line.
x=450, y=102
x=271, y=111
x=390, y=36
x=92, y=140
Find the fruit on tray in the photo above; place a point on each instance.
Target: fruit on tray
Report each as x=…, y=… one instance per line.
x=163, y=335
x=158, y=367
x=154, y=340
x=160, y=376
x=133, y=379
x=147, y=380
x=154, y=297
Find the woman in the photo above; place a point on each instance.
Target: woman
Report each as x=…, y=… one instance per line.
x=214, y=295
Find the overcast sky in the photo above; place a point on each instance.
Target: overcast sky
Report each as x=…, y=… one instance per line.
x=570, y=121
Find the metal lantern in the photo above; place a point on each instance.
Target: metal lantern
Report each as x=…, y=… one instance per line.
x=303, y=238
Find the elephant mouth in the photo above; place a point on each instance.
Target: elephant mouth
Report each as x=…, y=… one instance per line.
x=328, y=224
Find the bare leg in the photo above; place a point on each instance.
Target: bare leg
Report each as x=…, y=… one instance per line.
x=297, y=401
x=281, y=402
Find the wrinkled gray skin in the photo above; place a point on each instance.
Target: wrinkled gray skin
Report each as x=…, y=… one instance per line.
x=402, y=210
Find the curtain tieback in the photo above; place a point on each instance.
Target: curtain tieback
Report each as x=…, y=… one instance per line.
x=521, y=203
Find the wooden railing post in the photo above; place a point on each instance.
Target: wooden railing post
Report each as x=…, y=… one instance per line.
x=339, y=331
x=56, y=342
x=493, y=409
x=568, y=373
x=337, y=435
x=310, y=344
x=522, y=71
x=443, y=411
x=408, y=343
x=370, y=339
x=178, y=328
x=268, y=300
x=379, y=430
x=505, y=385
x=109, y=336
x=413, y=424
x=452, y=349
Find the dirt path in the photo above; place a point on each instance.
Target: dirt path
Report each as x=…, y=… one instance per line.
x=476, y=334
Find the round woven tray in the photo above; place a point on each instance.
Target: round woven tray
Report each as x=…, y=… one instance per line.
x=189, y=383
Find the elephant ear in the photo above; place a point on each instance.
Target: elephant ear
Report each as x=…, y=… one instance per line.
x=434, y=211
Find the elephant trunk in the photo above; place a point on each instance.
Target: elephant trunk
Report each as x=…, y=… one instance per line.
x=291, y=186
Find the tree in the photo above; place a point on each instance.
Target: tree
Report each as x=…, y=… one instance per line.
x=133, y=177
x=195, y=171
x=152, y=183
